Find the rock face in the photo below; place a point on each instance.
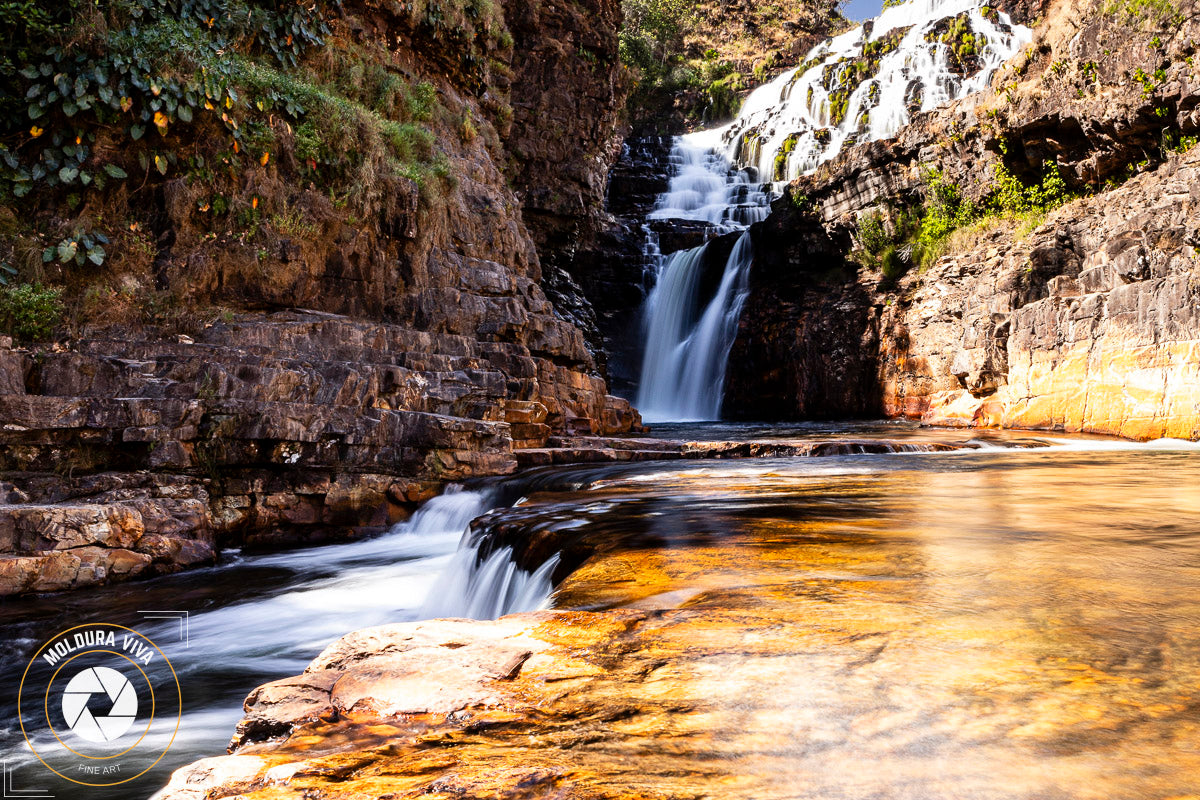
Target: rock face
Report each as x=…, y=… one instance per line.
x=1085, y=324
x=1088, y=324
x=612, y=272
x=361, y=362
x=569, y=92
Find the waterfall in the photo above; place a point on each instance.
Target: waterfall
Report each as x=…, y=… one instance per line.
x=859, y=86
x=481, y=588
x=683, y=373
x=489, y=588
x=866, y=83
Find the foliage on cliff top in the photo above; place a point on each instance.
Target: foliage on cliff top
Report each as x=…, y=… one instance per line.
x=91, y=82
x=694, y=59
x=918, y=235
x=249, y=102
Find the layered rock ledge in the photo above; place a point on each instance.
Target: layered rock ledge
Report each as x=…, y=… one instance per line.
x=132, y=458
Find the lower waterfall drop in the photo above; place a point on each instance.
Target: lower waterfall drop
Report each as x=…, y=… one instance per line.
x=683, y=374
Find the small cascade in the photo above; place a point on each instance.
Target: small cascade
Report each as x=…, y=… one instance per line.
x=860, y=86
x=490, y=587
x=706, y=188
x=475, y=586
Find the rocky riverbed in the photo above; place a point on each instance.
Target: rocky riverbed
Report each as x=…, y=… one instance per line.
x=995, y=624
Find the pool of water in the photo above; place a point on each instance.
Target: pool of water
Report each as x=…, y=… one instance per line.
x=999, y=622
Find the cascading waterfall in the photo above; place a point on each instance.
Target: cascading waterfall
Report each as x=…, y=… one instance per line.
x=683, y=373
x=486, y=588
x=860, y=86
x=866, y=83
x=683, y=369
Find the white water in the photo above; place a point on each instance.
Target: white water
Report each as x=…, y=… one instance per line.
x=683, y=374
x=488, y=588
x=786, y=128
x=916, y=74
x=320, y=594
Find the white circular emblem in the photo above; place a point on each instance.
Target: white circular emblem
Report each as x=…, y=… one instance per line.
x=122, y=704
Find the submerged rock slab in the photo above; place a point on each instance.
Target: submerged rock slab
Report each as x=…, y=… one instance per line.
x=842, y=637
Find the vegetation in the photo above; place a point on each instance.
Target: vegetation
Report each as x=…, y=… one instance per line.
x=30, y=312
x=251, y=103
x=698, y=55
x=918, y=235
x=1152, y=14
x=842, y=78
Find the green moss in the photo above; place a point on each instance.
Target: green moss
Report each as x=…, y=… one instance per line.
x=842, y=78
x=781, y=158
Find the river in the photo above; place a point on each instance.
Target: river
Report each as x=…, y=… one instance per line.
x=1027, y=610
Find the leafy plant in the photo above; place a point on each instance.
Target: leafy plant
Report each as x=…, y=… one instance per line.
x=30, y=312
x=80, y=248
x=158, y=65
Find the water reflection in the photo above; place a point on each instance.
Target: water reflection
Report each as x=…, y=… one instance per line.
x=1013, y=626
x=995, y=624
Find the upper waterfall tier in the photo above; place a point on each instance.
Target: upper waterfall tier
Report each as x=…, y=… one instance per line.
x=866, y=83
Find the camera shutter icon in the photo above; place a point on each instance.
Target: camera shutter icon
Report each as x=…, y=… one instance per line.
x=94, y=727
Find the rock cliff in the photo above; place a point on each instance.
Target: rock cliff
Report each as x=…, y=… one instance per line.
x=265, y=358
x=1080, y=320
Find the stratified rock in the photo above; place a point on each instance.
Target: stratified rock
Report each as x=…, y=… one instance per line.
x=1085, y=324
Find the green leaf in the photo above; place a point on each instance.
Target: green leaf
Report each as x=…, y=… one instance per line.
x=29, y=72
x=68, y=174
x=69, y=108
x=96, y=255
x=160, y=164
x=67, y=250
x=185, y=113
x=115, y=172
x=137, y=131
x=35, y=111
x=9, y=268
x=21, y=189
x=85, y=178
x=47, y=255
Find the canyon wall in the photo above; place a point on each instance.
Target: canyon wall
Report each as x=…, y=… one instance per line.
x=325, y=361
x=1086, y=322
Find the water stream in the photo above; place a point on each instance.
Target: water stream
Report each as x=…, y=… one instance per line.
x=259, y=617
x=1016, y=527
x=860, y=86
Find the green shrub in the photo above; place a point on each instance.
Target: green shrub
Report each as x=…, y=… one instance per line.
x=30, y=312
x=893, y=264
x=872, y=234
x=1147, y=13
x=919, y=234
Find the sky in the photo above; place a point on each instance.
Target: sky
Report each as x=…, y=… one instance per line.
x=858, y=10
